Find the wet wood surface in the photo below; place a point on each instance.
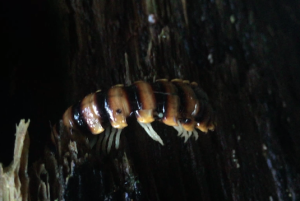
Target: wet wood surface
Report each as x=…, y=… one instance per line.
x=244, y=54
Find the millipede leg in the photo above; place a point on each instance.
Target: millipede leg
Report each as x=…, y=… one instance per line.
x=107, y=132
x=156, y=135
x=185, y=135
x=99, y=143
x=151, y=132
x=188, y=135
x=183, y=132
x=118, y=138
x=179, y=128
x=111, y=138
x=195, y=134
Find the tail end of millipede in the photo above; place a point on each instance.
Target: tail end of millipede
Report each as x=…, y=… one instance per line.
x=208, y=123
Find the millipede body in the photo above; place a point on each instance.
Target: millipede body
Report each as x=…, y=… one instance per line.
x=178, y=103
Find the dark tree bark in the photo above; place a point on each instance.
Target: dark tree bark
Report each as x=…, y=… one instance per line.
x=244, y=54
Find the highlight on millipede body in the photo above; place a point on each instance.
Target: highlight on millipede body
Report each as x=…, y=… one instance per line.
x=178, y=103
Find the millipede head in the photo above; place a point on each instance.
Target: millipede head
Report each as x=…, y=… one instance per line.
x=68, y=119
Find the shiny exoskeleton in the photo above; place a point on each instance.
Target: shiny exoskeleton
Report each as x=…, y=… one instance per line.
x=178, y=103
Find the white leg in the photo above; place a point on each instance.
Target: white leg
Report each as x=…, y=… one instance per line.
x=118, y=138
x=195, y=134
x=186, y=136
x=99, y=142
x=146, y=129
x=179, y=128
x=183, y=131
x=111, y=138
x=190, y=133
x=155, y=134
x=149, y=130
x=107, y=131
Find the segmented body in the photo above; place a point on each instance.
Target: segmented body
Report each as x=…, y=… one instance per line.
x=178, y=103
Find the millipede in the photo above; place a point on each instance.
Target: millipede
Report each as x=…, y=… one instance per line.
x=177, y=103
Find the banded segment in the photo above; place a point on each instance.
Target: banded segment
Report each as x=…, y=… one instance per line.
x=91, y=114
x=205, y=117
x=85, y=115
x=167, y=102
x=189, y=104
x=73, y=118
x=117, y=106
x=145, y=101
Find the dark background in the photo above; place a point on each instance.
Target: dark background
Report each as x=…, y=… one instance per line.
x=31, y=81
x=54, y=54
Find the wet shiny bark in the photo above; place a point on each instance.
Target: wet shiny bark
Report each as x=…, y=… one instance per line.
x=244, y=54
